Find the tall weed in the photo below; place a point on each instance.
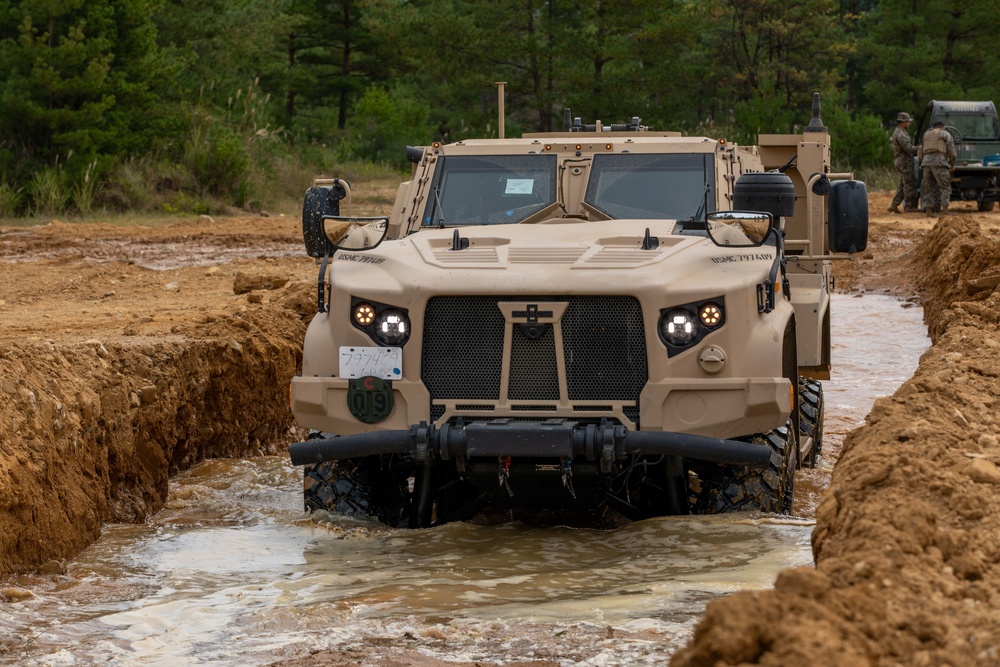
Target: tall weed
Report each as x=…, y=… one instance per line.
x=48, y=197
x=230, y=155
x=11, y=198
x=85, y=189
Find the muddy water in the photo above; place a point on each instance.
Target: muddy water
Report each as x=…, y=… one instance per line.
x=232, y=572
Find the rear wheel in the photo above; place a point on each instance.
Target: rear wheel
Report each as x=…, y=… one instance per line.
x=767, y=489
x=985, y=205
x=811, y=419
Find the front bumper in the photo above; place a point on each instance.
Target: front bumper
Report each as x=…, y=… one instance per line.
x=715, y=407
x=560, y=439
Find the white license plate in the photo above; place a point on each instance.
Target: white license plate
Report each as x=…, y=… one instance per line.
x=385, y=363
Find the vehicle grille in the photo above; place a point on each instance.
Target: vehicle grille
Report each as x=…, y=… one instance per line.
x=603, y=347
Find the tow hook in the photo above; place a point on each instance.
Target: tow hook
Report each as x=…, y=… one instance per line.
x=567, y=477
x=503, y=474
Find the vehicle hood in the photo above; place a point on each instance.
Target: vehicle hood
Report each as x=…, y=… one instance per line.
x=584, y=257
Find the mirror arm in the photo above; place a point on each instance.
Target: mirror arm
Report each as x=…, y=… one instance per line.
x=765, y=290
x=323, y=287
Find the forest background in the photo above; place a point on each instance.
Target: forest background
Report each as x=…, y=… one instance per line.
x=195, y=106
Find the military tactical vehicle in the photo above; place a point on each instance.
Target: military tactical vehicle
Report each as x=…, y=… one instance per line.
x=603, y=318
x=977, y=141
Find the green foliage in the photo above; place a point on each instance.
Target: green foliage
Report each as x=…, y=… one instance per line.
x=938, y=49
x=129, y=186
x=183, y=202
x=858, y=140
x=48, y=195
x=226, y=153
x=146, y=103
x=383, y=123
x=78, y=76
x=11, y=199
x=85, y=189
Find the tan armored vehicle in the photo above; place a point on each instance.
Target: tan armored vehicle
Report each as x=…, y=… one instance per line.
x=600, y=318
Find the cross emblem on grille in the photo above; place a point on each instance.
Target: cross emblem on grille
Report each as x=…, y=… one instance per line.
x=531, y=314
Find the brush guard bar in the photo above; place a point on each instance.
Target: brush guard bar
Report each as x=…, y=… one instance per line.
x=562, y=439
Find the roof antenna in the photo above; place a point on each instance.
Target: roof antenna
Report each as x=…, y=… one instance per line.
x=500, y=95
x=815, y=125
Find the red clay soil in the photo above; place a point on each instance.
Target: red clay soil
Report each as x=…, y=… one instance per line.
x=114, y=376
x=907, y=536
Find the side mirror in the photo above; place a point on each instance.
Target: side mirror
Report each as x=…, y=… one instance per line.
x=355, y=234
x=739, y=229
x=848, y=216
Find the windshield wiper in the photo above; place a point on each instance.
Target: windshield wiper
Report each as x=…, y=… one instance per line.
x=699, y=215
x=437, y=198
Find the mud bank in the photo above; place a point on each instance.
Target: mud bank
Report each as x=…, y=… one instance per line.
x=115, y=375
x=907, y=536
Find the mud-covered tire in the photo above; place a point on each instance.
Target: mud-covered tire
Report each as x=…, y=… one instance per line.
x=985, y=205
x=366, y=486
x=768, y=489
x=811, y=419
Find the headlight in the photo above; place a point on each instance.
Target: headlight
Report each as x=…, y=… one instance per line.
x=392, y=327
x=683, y=326
x=679, y=327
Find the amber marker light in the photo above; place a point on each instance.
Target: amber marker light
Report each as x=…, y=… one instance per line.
x=364, y=314
x=607, y=146
x=548, y=147
x=710, y=315
x=578, y=147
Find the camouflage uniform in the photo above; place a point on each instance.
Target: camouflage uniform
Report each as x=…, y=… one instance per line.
x=937, y=159
x=903, y=151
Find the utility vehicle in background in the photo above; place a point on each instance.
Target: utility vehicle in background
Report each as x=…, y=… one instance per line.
x=976, y=131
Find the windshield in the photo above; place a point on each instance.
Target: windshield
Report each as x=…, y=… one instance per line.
x=491, y=189
x=973, y=126
x=674, y=186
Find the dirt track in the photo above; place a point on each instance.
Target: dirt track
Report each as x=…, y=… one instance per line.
x=118, y=369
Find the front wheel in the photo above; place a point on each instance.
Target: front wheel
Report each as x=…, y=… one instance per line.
x=371, y=485
x=985, y=205
x=767, y=489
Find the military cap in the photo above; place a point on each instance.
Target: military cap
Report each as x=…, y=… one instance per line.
x=903, y=116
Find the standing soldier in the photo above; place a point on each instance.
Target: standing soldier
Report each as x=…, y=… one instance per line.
x=937, y=161
x=903, y=151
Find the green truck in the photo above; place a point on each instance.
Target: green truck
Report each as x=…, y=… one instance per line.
x=977, y=141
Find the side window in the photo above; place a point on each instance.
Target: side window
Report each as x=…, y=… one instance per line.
x=490, y=189
x=676, y=186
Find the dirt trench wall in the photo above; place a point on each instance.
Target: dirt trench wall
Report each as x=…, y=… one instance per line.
x=907, y=537
x=89, y=432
